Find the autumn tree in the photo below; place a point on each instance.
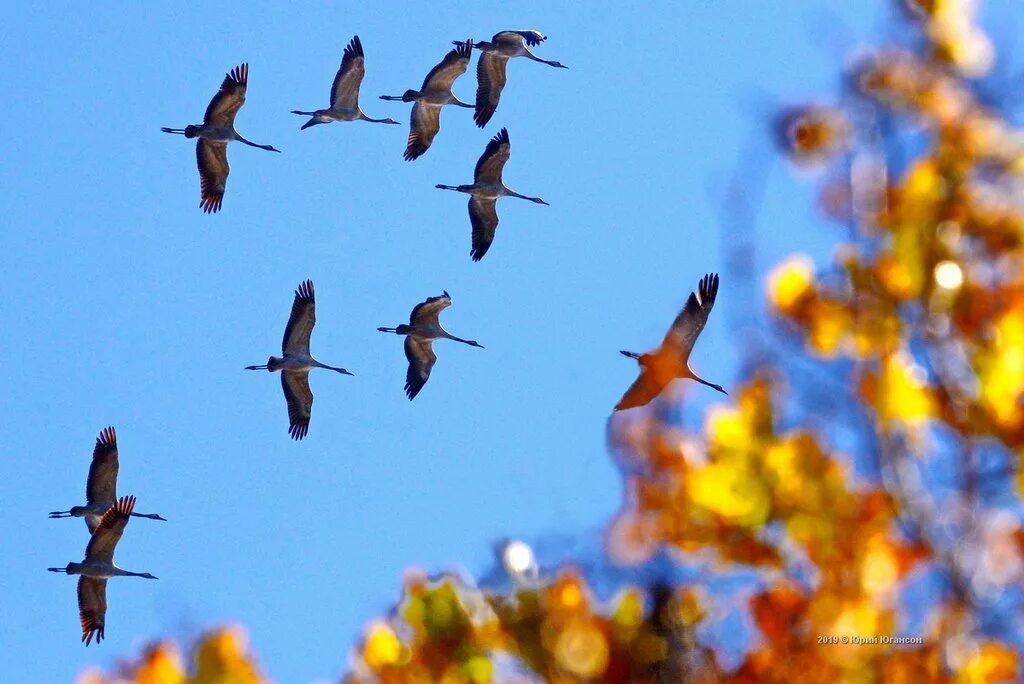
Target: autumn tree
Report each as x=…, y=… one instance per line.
x=864, y=478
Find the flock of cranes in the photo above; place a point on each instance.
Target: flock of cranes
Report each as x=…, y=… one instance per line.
x=106, y=515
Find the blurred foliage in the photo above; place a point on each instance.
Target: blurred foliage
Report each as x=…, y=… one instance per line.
x=866, y=474
x=219, y=657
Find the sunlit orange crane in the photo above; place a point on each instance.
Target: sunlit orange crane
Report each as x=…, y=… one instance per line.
x=486, y=189
x=435, y=93
x=424, y=327
x=345, y=91
x=98, y=566
x=671, y=360
x=216, y=131
x=490, y=70
x=297, y=361
x=101, y=487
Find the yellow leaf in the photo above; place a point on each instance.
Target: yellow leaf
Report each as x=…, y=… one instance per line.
x=790, y=282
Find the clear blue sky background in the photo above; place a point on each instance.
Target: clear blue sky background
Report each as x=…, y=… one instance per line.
x=123, y=304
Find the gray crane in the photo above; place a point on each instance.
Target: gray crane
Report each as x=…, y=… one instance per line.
x=424, y=327
x=345, y=91
x=660, y=367
x=296, y=361
x=435, y=93
x=101, y=486
x=490, y=70
x=216, y=131
x=487, y=188
x=98, y=566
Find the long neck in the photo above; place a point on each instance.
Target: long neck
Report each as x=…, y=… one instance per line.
x=702, y=381
x=513, y=193
x=151, y=516
x=535, y=58
x=363, y=117
x=449, y=336
x=333, y=368
x=250, y=143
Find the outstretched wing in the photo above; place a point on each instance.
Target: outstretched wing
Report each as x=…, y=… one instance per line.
x=301, y=322
x=425, y=123
x=229, y=99
x=345, y=90
x=427, y=311
x=300, y=401
x=102, y=482
x=213, y=174
x=491, y=163
x=92, y=607
x=531, y=37
x=420, y=353
x=490, y=79
x=690, y=321
x=454, y=64
x=642, y=391
x=483, y=214
x=108, y=533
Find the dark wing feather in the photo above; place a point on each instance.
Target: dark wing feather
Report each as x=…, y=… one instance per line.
x=104, y=539
x=92, y=607
x=532, y=37
x=300, y=401
x=301, y=322
x=490, y=78
x=428, y=310
x=421, y=357
x=483, y=214
x=102, y=482
x=690, y=321
x=454, y=64
x=345, y=90
x=492, y=161
x=213, y=174
x=425, y=123
x=229, y=99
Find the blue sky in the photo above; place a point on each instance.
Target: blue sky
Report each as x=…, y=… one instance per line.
x=123, y=304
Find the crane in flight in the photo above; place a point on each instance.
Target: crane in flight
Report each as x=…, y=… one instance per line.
x=487, y=188
x=424, y=327
x=98, y=566
x=216, y=131
x=101, y=486
x=435, y=93
x=490, y=70
x=660, y=367
x=345, y=91
x=296, y=361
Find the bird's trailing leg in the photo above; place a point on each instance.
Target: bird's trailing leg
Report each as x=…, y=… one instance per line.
x=64, y=570
x=263, y=367
x=632, y=355
x=388, y=330
x=447, y=187
x=61, y=514
x=176, y=131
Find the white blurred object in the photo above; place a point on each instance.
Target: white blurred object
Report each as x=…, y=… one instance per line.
x=518, y=560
